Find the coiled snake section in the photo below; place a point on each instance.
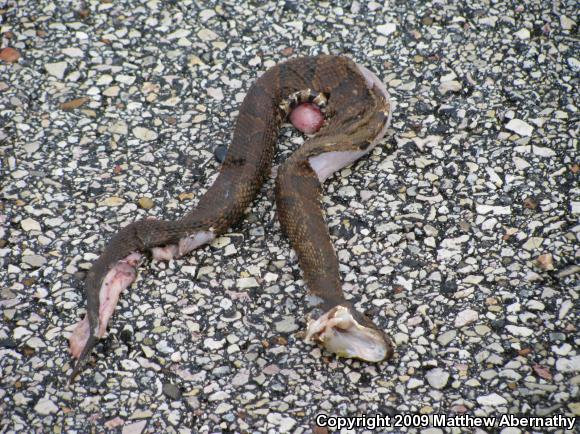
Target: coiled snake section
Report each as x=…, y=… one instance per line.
x=357, y=113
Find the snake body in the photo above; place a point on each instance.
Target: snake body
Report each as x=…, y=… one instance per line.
x=357, y=111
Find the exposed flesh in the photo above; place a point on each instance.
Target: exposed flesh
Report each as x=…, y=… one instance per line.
x=185, y=246
x=307, y=118
x=117, y=279
x=326, y=164
x=340, y=333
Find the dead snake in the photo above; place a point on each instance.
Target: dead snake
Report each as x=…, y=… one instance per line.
x=357, y=111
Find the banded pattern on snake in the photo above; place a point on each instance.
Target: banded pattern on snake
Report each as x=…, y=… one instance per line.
x=357, y=111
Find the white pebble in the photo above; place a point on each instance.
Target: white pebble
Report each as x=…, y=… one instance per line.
x=523, y=34
x=496, y=210
x=414, y=383
x=216, y=93
x=519, y=331
x=30, y=225
x=449, y=86
x=56, y=69
x=45, y=406
x=73, y=52
x=387, y=29
x=212, y=344
x=492, y=399
x=437, y=378
x=568, y=365
x=465, y=317
x=246, y=282
x=520, y=127
x=566, y=23
x=144, y=133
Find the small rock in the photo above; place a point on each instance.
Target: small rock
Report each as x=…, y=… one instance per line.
x=287, y=325
x=465, y=317
x=446, y=337
x=520, y=163
x=286, y=424
x=492, y=399
x=125, y=79
x=271, y=369
x=220, y=395
x=9, y=55
x=144, y=133
x=573, y=63
x=568, y=365
x=401, y=338
x=523, y=34
x=247, y=282
x=520, y=127
x=207, y=35
x=216, y=93
x=545, y=262
x=135, y=428
x=519, y=331
x=45, y=406
x=35, y=342
x=20, y=332
x=533, y=243
x=574, y=408
x=449, y=86
x=112, y=201
x=542, y=151
x=542, y=372
x=112, y=91
x=34, y=260
x=29, y=224
x=567, y=23
x=74, y=103
x=213, y=344
x=565, y=308
x=164, y=347
x=413, y=383
x=437, y=378
x=241, y=378
x=206, y=15
x=473, y=279
x=56, y=69
x=387, y=29
x=113, y=423
x=172, y=391
x=73, y=52
x=495, y=210
x=146, y=203
x=488, y=21
x=119, y=127
x=223, y=408
x=220, y=153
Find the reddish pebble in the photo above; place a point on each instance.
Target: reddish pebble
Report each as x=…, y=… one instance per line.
x=307, y=118
x=9, y=55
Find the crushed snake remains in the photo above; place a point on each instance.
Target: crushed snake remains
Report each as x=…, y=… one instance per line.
x=348, y=110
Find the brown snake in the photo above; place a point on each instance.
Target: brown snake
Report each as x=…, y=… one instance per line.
x=357, y=115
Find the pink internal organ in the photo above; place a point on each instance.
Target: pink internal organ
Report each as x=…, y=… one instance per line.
x=116, y=280
x=326, y=164
x=307, y=118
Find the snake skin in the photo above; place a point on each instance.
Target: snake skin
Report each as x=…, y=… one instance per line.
x=355, y=114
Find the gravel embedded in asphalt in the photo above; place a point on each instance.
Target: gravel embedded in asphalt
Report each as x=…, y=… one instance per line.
x=459, y=234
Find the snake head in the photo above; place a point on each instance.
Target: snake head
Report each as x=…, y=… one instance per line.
x=347, y=333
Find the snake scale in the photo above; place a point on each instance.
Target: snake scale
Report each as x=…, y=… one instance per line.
x=357, y=113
